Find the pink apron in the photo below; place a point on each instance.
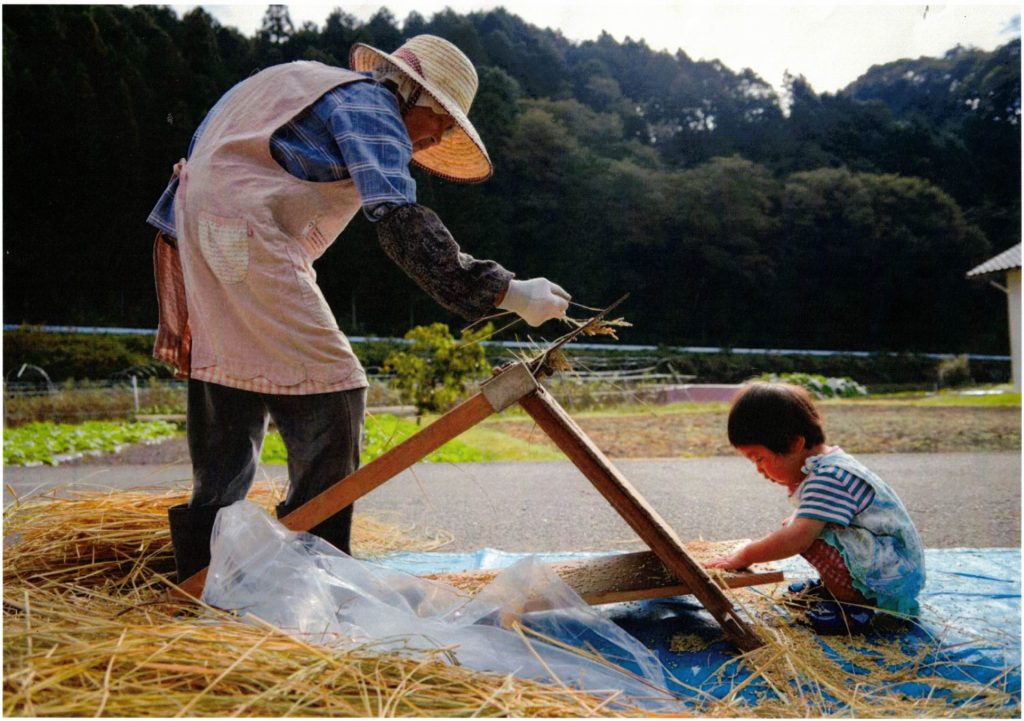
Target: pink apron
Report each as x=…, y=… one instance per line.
x=248, y=233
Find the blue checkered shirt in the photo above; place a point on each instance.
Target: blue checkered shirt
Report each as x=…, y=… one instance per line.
x=354, y=131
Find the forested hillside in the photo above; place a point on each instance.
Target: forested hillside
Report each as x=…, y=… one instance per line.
x=732, y=215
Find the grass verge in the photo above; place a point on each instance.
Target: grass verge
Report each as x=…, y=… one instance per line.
x=477, y=445
x=44, y=442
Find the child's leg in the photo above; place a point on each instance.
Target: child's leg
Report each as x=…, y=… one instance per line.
x=828, y=562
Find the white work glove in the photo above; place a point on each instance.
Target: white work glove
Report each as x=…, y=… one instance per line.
x=535, y=300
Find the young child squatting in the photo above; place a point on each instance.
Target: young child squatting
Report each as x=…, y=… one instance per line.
x=848, y=523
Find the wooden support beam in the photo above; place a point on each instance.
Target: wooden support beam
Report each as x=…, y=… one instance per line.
x=618, y=577
x=641, y=517
x=642, y=575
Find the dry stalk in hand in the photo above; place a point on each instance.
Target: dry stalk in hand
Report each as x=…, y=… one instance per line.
x=600, y=327
x=552, y=358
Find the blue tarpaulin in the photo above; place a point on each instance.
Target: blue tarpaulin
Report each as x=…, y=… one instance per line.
x=970, y=625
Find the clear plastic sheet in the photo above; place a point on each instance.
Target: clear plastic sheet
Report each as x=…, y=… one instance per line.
x=308, y=588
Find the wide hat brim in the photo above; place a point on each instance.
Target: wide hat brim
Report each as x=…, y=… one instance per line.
x=460, y=156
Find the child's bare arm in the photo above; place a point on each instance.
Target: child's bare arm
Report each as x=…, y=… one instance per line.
x=790, y=540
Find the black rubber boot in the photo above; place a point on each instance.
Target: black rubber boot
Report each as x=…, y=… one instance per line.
x=336, y=530
x=191, y=529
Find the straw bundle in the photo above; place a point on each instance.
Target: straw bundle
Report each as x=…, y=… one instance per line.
x=89, y=538
x=88, y=630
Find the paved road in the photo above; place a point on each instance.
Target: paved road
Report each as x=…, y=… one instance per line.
x=956, y=499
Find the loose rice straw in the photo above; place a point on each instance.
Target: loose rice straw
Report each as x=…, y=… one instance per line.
x=86, y=574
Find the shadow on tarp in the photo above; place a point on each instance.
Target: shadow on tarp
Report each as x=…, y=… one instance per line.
x=970, y=618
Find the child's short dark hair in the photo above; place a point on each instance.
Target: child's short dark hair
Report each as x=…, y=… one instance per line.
x=773, y=415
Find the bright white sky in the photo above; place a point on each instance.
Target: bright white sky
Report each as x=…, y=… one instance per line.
x=829, y=43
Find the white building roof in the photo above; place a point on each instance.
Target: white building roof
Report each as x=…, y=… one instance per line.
x=1008, y=259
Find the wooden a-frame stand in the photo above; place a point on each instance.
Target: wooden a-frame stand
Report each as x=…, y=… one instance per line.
x=516, y=384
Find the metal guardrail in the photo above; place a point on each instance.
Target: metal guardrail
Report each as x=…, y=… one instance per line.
x=578, y=346
x=626, y=377
x=116, y=397
x=404, y=411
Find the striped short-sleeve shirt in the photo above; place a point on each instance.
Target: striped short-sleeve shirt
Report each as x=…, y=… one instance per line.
x=833, y=495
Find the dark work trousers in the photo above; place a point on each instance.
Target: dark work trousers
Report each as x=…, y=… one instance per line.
x=321, y=432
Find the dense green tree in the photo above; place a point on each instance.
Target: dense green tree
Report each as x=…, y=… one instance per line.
x=733, y=214
x=414, y=24
x=459, y=30
x=382, y=31
x=276, y=27
x=340, y=32
x=720, y=272
x=892, y=248
x=533, y=57
x=971, y=100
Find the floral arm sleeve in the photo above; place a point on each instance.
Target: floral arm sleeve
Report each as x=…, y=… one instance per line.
x=416, y=239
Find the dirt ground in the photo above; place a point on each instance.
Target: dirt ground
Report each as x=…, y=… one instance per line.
x=858, y=428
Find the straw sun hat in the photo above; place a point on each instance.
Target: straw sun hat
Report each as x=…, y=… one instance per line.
x=447, y=75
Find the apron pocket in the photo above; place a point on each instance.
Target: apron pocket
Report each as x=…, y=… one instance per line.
x=224, y=243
